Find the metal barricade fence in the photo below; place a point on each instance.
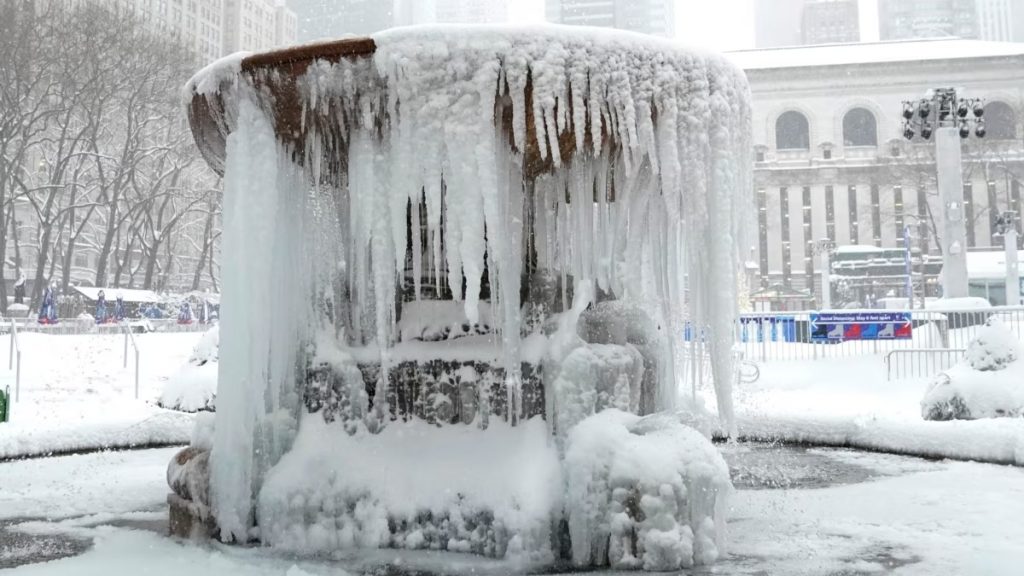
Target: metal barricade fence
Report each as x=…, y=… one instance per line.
x=775, y=336
x=920, y=362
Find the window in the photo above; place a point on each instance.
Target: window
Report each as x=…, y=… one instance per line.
x=792, y=132
x=860, y=128
x=82, y=260
x=1000, y=121
x=826, y=153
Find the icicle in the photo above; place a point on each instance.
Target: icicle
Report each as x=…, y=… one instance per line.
x=417, y=245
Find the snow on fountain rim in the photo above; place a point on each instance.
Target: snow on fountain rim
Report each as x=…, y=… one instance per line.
x=208, y=80
x=414, y=466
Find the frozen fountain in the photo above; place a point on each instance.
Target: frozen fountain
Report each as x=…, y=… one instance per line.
x=458, y=265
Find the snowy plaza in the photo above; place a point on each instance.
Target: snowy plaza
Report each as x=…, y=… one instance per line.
x=450, y=295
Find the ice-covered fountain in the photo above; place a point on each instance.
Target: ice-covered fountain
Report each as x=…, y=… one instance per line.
x=459, y=263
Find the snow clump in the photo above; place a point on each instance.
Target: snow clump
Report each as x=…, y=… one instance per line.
x=988, y=383
x=194, y=387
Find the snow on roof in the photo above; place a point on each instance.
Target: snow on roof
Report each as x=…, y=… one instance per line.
x=143, y=296
x=989, y=264
x=873, y=53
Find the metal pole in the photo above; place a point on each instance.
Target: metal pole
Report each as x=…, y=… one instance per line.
x=10, y=354
x=1012, y=268
x=125, y=348
x=17, y=378
x=908, y=260
x=826, y=281
x=954, y=239
x=136, y=372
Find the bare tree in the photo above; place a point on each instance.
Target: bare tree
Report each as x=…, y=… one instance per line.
x=94, y=149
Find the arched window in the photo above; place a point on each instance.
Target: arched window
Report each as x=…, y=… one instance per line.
x=792, y=132
x=860, y=128
x=1000, y=121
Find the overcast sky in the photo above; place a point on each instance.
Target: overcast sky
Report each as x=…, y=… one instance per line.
x=717, y=24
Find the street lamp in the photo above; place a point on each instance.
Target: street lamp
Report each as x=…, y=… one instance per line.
x=949, y=118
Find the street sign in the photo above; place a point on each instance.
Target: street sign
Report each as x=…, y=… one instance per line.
x=843, y=326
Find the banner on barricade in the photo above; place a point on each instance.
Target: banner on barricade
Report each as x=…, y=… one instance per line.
x=843, y=326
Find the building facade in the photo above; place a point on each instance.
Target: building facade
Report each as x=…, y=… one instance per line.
x=832, y=164
x=830, y=22
x=322, y=19
x=470, y=11
x=995, y=20
x=256, y=25
x=777, y=23
x=655, y=17
x=907, y=19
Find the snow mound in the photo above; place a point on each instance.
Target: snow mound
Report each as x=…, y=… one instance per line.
x=644, y=493
x=194, y=387
x=988, y=383
x=414, y=486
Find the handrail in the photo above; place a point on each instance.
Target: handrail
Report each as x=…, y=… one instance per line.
x=15, y=346
x=129, y=335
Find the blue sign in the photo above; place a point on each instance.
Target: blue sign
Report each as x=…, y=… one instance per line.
x=843, y=326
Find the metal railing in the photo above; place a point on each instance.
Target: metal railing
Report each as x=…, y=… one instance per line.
x=920, y=362
x=765, y=337
x=129, y=335
x=74, y=326
x=14, y=360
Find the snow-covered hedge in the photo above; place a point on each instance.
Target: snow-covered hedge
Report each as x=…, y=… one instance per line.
x=194, y=386
x=988, y=383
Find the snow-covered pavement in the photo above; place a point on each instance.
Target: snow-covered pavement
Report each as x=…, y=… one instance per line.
x=850, y=402
x=77, y=394
x=874, y=514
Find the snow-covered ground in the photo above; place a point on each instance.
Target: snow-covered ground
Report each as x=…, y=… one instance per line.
x=899, y=515
x=76, y=393
x=849, y=401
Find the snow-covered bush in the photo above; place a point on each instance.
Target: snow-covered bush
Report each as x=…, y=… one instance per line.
x=988, y=383
x=644, y=493
x=194, y=386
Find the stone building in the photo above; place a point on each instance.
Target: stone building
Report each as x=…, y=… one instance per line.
x=831, y=161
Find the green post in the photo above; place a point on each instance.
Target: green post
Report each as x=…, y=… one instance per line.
x=5, y=404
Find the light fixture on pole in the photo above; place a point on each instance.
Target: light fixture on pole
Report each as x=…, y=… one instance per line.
x=949, y=118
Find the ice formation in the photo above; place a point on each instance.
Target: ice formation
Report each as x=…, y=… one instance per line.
x=465, y=163
x=644, y=492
